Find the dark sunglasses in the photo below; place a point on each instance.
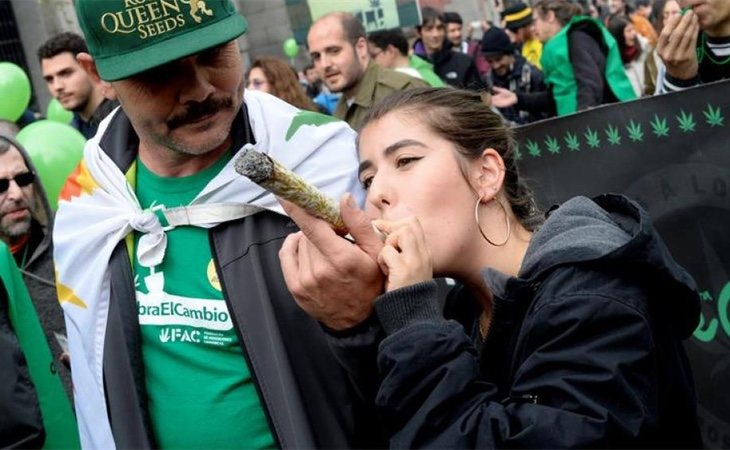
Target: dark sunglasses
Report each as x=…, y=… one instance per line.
x=21, y=179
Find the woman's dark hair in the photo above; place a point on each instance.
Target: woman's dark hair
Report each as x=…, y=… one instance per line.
x=284, y=82
x=657, y=14
x=564, y=9
x=617, y=23
x=429, y=16
x=656, y=17
x=464, y=119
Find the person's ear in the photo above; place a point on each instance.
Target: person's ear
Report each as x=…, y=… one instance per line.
x=550, y=16
x=488, y=173
x=361, y=50
x=391, y=51
x=89, y=65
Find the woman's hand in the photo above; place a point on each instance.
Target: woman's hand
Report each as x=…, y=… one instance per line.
x=405, y=258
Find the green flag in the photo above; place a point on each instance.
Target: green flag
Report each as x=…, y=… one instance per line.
x=59, y=421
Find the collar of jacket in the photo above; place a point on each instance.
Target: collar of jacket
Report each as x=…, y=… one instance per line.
x=365, y=90
x=105, y=107
x=438, y=58
x=642, y=252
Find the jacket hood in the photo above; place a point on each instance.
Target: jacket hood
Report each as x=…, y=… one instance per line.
x=615, y=232
x=420, y=50
x=42, y=212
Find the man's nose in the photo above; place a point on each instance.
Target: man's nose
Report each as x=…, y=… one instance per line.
x=14, y=191
x=57, y=85
x=378, y=194
x=196, y=83
x=325, y=61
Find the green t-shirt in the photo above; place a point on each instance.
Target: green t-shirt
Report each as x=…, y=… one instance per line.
x=199, y=387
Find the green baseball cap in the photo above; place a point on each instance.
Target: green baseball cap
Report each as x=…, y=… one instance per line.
x=127, y=37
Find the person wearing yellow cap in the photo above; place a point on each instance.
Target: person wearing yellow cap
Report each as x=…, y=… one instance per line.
x=580, y=60
x=181, y=331
x=517, y=21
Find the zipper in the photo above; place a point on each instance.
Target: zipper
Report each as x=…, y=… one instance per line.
x=242, y=342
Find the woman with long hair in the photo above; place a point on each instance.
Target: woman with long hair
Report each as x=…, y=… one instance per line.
x=634, y=49
x=276, y=77
x=566, y=331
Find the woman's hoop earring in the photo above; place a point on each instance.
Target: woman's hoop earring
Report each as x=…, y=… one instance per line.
x=479, y=225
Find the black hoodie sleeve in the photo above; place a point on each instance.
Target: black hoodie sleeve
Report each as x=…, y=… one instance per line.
x=537, y=103
x=472, y=79
x=585, y=377
x=589, y=63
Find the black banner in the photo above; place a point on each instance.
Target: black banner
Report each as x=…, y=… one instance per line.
x=671, y=153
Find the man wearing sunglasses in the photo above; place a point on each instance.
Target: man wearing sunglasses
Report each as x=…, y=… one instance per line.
x=25, y=227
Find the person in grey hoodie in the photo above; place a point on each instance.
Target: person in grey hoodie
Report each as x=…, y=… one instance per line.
x=565, y=333
x=26, y=220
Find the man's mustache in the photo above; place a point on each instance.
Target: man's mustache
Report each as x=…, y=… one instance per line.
x=195, y=111
x=14, y=207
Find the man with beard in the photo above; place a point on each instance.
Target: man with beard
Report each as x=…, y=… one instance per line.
x=26, y=220
x=338, y=48
x=181, y=330
x=511, y=71
x=70, y=85
x=518, y=24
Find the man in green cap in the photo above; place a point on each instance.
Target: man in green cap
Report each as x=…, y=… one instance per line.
x=180, y=327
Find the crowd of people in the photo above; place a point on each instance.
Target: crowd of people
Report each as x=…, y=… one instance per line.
x=553, y=57
x=170, y=302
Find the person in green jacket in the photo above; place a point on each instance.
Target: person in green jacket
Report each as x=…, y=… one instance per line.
x=389, y=49
x=580, y=60
x=35, y=410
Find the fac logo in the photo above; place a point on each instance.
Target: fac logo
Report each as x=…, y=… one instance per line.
x=179, y=335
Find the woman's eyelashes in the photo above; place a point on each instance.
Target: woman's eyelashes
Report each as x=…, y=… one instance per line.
x=400, y=162
x=403, y=161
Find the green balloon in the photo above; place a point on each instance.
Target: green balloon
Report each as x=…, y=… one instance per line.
x=291, y=48
x=57, y=113
x=55, y=150
x=14, y=91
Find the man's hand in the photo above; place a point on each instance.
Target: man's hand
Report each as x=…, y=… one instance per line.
x=503, y=98
x=677, y=45
x=332, y=279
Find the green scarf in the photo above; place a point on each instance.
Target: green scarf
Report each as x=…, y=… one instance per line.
x=59, y=421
